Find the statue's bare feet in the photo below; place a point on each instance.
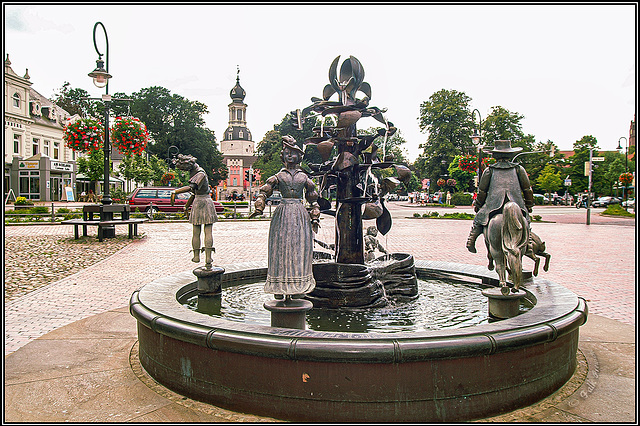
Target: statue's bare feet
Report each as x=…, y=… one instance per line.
x=196, y=258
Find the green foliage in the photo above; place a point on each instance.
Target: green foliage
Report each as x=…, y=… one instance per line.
x=39, y=210
x=617, y=210
x=464, y=180
x=536, y=218
x=502, y=124
x=119, y=196
x=549, y=179
x=268, y=152
x=91, y=165
x=135, y=167
x=173, y=120
x=416, y=214
x=461, y=199
x=447, y=119
x=74, y=101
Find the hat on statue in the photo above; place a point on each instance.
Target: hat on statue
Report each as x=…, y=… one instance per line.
x=290, y=142
x=504, y=146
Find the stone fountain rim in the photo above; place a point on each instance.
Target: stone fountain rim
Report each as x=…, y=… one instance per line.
x=557, y=311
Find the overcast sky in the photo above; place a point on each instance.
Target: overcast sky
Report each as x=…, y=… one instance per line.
x=570, y=70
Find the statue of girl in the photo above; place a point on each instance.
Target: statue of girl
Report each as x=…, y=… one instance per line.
x=290, y=245
x=203, y=211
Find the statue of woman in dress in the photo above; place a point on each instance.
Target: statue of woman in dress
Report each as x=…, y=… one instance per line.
x=203, y=211
x=291, y=231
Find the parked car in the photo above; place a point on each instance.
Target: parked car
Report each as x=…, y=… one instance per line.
x=275, y=199
x=605, y=201
x=541, y=199
x=631, y=202
x=153, y=199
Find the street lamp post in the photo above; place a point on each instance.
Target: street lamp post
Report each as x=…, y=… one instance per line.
x=101, y=78
x=476, y=139
x=626, y=163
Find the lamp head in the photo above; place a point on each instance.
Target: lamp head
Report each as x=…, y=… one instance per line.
x=100, y=75
x=475, y=138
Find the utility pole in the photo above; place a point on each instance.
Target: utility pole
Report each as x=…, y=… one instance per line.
x=589, y=191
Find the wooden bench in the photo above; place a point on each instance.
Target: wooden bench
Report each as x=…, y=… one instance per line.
x=133, y=226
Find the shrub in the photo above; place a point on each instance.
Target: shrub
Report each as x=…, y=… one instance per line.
x=416, y=215
x=39, y=210
x=537, y=218
x=22, y=201
x=461, y=199
x=617, y=210
x=463, y=216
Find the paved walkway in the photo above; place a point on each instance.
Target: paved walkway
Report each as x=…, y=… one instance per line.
x=596, y=262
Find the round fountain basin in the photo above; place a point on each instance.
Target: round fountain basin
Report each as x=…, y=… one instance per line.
x=307, y=375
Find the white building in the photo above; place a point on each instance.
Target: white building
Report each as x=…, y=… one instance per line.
x=37, y=164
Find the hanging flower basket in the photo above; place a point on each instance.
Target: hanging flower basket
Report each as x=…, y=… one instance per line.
x=441, y=182
x=167, y=177
x=468, y=163
x=451, y=182
x=84, y=135
x=626, y=178
x=129, y=135
x=486, y=161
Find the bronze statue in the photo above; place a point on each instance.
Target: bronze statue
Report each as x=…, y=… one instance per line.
x=203, y=211
x=501, y=182
x=503, y=204
x=371, y=244
x=290, y=254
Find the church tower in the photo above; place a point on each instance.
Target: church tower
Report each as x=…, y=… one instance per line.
x=237, y=147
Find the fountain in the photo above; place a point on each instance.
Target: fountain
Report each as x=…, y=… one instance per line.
x=293, y=373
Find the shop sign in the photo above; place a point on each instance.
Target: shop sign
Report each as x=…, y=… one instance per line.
x=31, y=165
x=57, y=165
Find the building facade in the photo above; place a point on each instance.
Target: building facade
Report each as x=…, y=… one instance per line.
x=237, y=148
x=37, y=164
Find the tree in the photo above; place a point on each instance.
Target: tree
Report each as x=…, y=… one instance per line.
x=502, y=124
x=74, y=101
x=135, y=167
x=92, y=166
x=173, y=120
x=580, y=182
x=447, y=119
x=268, y=152
x=549, y=179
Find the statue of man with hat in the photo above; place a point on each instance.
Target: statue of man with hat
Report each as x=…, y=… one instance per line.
x=501, y=182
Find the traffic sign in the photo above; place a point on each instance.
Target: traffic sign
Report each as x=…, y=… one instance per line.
x=597, y=159
x=567, y=182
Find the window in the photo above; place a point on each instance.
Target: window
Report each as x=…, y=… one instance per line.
x=235, y=181
x=239, y=114
x=146, y=193
x=240, y=134
x=16, y=100
x=45, y=148
x=35, y=146
x=230, y=136
x=29, y=185
x=17, y=141
x=56, y=150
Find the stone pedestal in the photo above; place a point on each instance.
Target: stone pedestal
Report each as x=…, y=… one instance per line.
x=288, y=314
x=209, y=280
x=503, y=306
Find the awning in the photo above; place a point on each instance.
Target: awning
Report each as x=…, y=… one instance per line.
x=112, y=179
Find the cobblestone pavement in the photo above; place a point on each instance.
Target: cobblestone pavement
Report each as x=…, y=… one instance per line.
x=35, y=261
x=596, y=262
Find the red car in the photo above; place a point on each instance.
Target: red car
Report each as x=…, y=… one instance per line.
x=158, y=199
